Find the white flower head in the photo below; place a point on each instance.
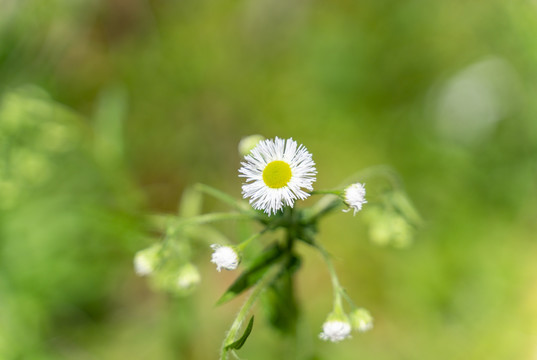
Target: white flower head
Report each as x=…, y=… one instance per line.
x=146, y=260
x=224, y=257
x=276, y=173
x=361, y=320
x=355, y=197
x=335, y=330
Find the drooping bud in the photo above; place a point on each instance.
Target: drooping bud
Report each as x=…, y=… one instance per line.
x=188, y=277
x=247, y=143
x=146, y=260
x=336, y=328
x=361, y=320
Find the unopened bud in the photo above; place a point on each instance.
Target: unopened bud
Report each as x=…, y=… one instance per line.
x=146, y=260
x=361, y=320
x=336, y=328
x=247, y=143
x=188, y=277
x=224, y=257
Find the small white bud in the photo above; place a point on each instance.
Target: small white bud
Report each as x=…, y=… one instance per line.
x=336, y=327
x=390, y=228
x=188, y=277
x=380, y=230
x=335, y=331
x=247, y=143
x=355, y=197
x=361, y=320
x=146, y=260
x=224, y=257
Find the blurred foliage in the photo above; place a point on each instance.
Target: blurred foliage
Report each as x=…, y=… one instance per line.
x=110, y=108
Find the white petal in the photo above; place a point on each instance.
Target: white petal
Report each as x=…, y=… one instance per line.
x=303, y=174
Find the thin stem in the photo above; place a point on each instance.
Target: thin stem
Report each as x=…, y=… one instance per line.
x=391, y=175
x=173, y=223
x=326, y=192
x=214, y=217
x=244, y=310
x=222, y=196
x=329, y=203
x=333, y=275
x=206, y=234
x=348, y=298
x=246, y=242
x=324, y=206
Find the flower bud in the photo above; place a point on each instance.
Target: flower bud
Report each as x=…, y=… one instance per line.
x=336, y=327
x=146, y=260
x=188, y=277
x=224, y=257
x=247, y=143
x=388, y=227
x=355, y=197
x=361, y=320
x=402, y=232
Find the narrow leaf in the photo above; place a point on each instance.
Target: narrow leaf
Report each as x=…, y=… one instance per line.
x=240, y=342
x=250, y=276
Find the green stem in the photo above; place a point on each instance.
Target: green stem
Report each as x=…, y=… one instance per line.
x=348, y=298
x=244, y=310
x=246, y=242
x=324, y=206
x=214, y=217
x=328, y=203
x=222, y=196
x=333, y=275
x=174, y=223
x=326, y=192
x=390, y=174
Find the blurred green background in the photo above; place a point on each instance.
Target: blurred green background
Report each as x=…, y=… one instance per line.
x=110, y=108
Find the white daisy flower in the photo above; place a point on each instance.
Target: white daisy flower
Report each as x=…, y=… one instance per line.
x=276, y=171
x=335, y=331
x=355, y=197
x=224, y=257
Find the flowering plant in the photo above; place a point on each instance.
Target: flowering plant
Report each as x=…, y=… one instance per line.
x=277, y=173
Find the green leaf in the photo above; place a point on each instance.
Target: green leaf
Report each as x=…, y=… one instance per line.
x=250, y=276
x=240, y=342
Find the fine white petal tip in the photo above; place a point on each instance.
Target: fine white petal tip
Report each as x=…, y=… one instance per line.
x=277, y=172
x=335, y=331
x=355, y=197
x=224, y=257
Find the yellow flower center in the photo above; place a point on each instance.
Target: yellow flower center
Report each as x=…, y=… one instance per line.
x=277, y=174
